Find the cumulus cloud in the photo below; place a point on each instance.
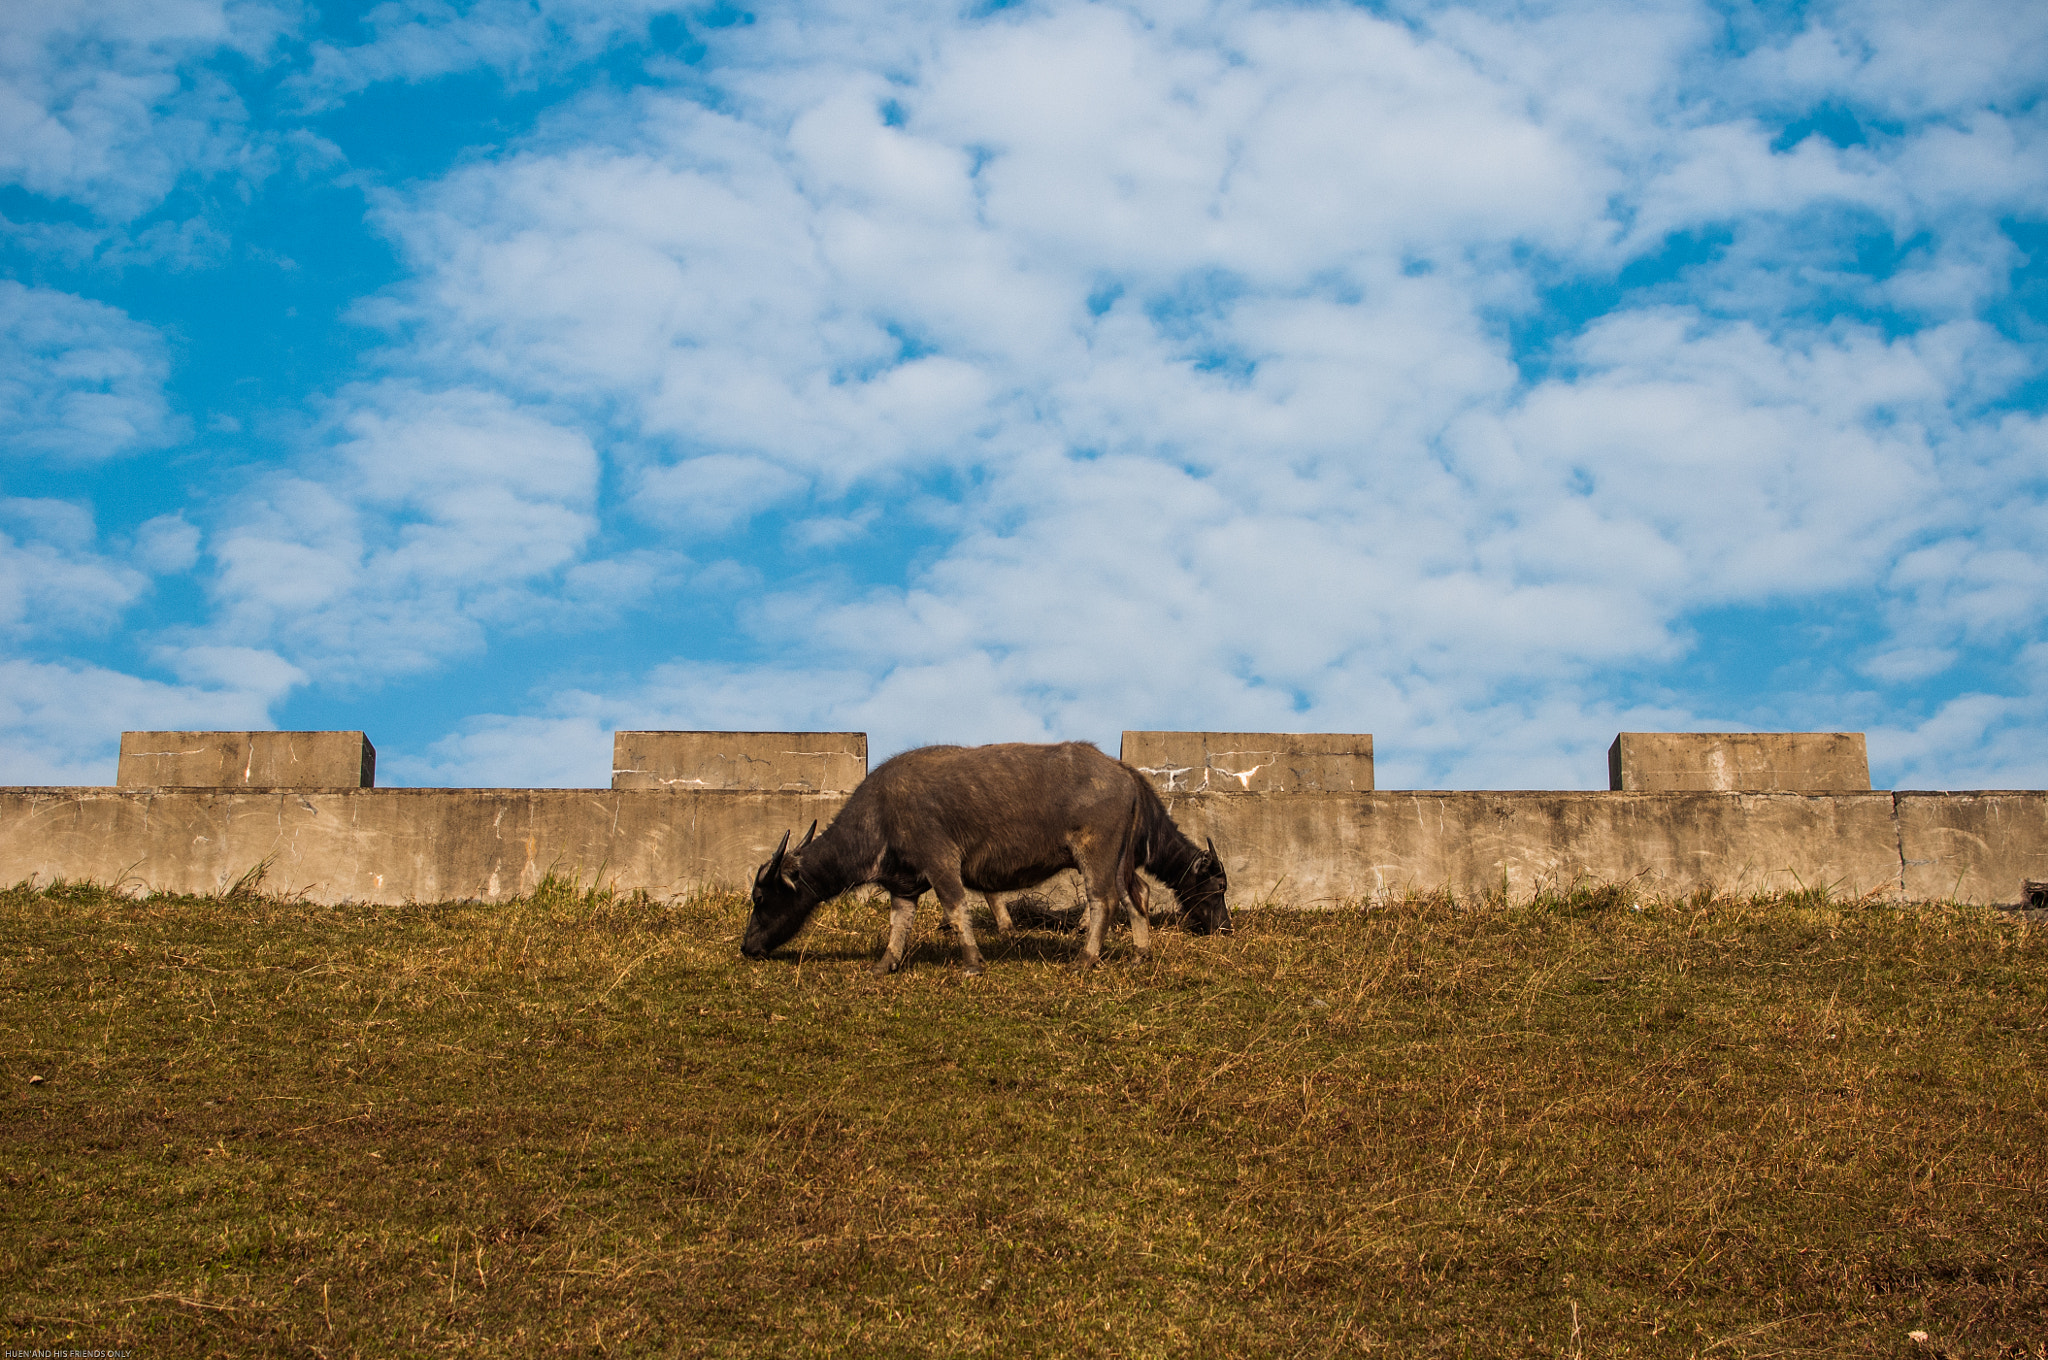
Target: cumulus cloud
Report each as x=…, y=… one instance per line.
x=1972, y=741
x=1082, y=366
x=1908, y=59
x=715, y=490
x=567, y=748
x=62, y=723
x=52, y=577
x=79, y=380
x=107, y=103
x=1210, y=310
x=522, y=40
x=167, y=544
x=428, y=516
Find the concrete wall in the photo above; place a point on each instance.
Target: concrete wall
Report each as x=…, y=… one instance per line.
x=1253, y=762
x=1731, y=762
x=1293, y=814
x=246, y=760
x=793, y=762
x=1975, y=847
x=1329, y=848
x=1307, y=849
x=396, y=845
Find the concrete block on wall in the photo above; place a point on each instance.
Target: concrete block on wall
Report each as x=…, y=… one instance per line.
x=1738, y=762
x=792, y=762
x=1253, y=762
x=246, y=760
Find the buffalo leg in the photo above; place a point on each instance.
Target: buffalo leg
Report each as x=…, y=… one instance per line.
x=952, y=894
x=1102, y=877
x=1095, y=919
x=1102, y=895
x=901, y=909
x=970, y=952
x=1140, y=910
x=1002, y=914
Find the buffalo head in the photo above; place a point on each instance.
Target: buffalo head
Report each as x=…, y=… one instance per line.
x=1200, y=892
x=783, y=901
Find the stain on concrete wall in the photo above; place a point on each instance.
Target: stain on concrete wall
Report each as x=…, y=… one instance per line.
x=1252, y=762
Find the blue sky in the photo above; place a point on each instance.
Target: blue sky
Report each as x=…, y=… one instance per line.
x=1491, y=378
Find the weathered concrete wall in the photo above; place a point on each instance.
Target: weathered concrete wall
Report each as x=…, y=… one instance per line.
x=246, y=760
x=1321, y=849
x=1253, y=762
x=1976, y=847
x=1306, y=849
x=397, y=845
x=1731, y=762
x=792, y=762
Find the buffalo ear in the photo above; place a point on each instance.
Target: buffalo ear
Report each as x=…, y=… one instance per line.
x=807, y=836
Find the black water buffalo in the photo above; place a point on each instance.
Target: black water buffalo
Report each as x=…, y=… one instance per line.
x=991, y=819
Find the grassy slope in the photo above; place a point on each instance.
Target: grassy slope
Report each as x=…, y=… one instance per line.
x=1737, y=1127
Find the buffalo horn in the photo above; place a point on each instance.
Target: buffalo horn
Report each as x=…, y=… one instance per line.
x=807, y=836
x=775, y=860
x=1212, y=850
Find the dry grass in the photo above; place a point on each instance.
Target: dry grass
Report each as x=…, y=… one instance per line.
x=1727, y=1127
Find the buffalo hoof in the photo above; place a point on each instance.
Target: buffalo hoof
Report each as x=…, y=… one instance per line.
x=975, y=969
x=884, y=966
x=1085, y=964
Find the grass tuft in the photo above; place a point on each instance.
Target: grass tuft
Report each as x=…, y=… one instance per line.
x=1592, y=1122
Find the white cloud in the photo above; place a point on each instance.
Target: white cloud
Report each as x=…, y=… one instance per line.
x=418, y=40
x=1973, y=741
x=430, y=516
x=1733, y=466
x=241, y=669
x=570, y=748
x=716, y=491
x=1205, y=311
x=1181, y=341
x=52, y=578
x=108, y=103
x=1976, y=591
x=1910, y=59
x=79, y=380
x=1907, y=664
x=62, y=723
x=166, y=544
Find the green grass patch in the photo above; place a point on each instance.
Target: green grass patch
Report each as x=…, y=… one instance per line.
x=581, y=1123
